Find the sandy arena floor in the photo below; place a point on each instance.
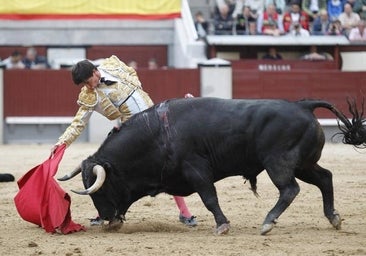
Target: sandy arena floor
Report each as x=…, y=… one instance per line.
x=152, y=226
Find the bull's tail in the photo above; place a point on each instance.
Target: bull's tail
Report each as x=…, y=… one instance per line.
x=354, y=132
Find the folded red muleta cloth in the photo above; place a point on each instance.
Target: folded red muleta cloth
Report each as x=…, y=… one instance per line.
x=42, y=201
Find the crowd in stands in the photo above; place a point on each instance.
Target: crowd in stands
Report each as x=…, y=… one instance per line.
x=31, y=60
x=286, y=17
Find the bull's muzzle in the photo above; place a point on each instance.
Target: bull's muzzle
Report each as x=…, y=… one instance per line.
x=99, y=172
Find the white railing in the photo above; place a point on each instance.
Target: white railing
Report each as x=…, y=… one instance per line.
x=188, y=21
x=188, y=50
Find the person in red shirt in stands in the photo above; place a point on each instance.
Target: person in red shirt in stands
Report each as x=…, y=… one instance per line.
x=295, y=15
x=270, y=22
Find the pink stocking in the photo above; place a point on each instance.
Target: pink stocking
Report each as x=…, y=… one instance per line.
x=181, y=204
x=183, y=209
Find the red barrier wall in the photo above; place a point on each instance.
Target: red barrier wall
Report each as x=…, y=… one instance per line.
x=165, y=84
x=284, y=64
x=39, y=93
x=332, y=85
x=51, y=92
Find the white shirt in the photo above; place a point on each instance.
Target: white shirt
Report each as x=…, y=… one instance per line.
x=257, y=5
x=301, y=32
x=351, y=20
x=314, y=7
x=354, y=35
x=295, y=17
x=10, y=65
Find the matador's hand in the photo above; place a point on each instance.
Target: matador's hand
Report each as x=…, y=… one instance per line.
x=53, y=149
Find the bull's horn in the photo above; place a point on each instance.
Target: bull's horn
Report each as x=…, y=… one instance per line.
x=72, y=174
x=100, y=173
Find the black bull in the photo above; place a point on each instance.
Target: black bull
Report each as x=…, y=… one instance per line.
x=184, y=146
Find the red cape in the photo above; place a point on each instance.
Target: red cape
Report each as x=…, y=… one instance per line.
x=42, y=201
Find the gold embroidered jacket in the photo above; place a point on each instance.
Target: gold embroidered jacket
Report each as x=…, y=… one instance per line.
x=107, y=100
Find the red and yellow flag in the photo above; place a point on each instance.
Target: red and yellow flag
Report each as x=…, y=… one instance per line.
x=89, y=9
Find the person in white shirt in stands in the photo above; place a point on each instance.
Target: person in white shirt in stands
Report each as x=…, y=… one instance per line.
x=297, y=30
x=358, y=34
x=14, y=61
x=348, y=19
x=314, y=55
x=257, y=6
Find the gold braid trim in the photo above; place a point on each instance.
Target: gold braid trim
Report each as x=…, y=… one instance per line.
x=87, y=97
x=126, y=113
x=127, y=75
x=109, y=110
x=76, y=127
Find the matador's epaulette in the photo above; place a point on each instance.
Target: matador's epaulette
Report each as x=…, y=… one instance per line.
x=114, y=66
x=87, y=97
x=121, y=71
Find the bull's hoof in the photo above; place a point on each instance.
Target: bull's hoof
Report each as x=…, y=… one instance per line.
x=266, y=228
x=113, y=225
x=222, y=229
x=336, y=220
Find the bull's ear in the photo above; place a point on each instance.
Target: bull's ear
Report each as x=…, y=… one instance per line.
x=107, y=166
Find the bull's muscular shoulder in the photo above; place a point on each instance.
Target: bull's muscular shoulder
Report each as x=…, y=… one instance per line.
x=87, y=97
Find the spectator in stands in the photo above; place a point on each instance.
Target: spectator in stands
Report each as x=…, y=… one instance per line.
x=335, y=28
x=313, y=7
x=335, y=8
x=201, y=25
x=272, y=54
x=280, y=5
x=243, y=19
x=348, y=19
x=34, y=61
x=232, y=4
x=289, y=3
x=257, y=6
x=314, y=55
x=351, y=2
x=270, y=22
x=238, y=7
x=360, y=8
x=133, y=64
x=253, y=29
x=295, y=16
x=358, y=34
x=152, y=64
x=297, y=30
x=14, y=61
x=223, y=21
x=321, y=23
x=113, y=89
